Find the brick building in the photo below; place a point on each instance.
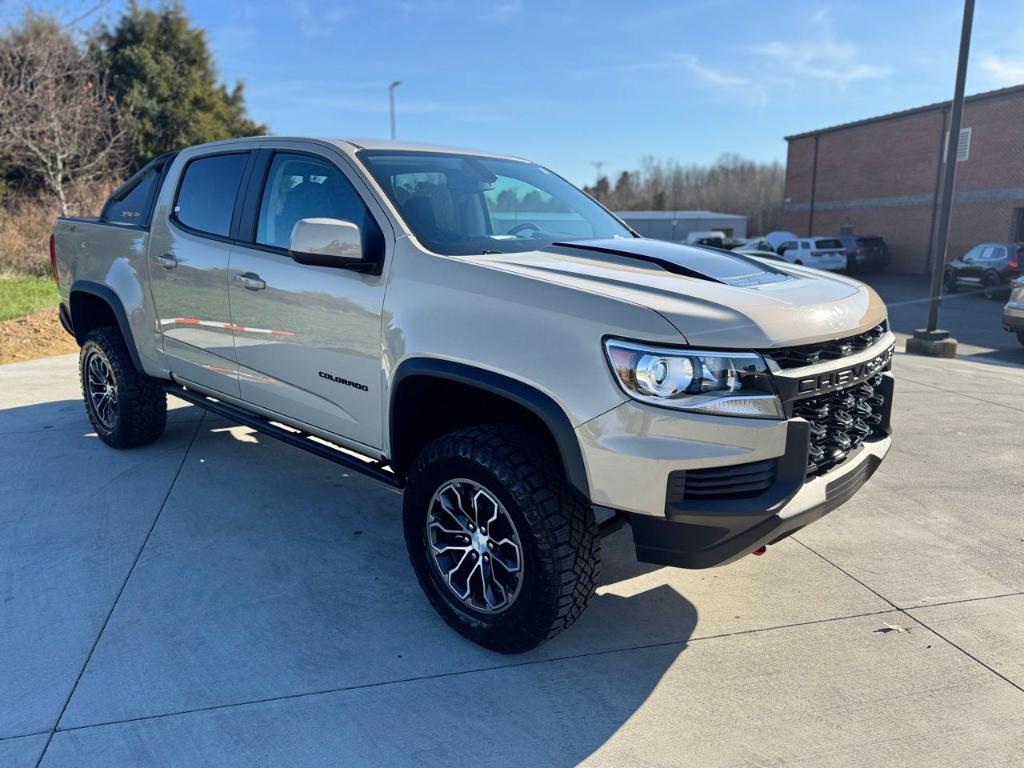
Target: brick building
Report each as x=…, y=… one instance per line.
x=881, y=176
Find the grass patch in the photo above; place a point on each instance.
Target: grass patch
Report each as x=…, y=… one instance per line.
x=20, y=296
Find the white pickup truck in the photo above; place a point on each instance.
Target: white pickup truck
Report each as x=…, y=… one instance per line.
x=475, y=330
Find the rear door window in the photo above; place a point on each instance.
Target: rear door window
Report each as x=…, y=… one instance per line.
x=805, y=244
x=206, y=196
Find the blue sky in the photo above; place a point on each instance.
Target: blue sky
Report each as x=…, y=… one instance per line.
x=569, y=82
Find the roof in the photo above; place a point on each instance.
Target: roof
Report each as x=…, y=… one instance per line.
x=669, y=215
x=353, y=145
x=1010, y=91
x=409, y=146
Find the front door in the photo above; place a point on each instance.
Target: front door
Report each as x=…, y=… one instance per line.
x=188, y=270
x=308, y=338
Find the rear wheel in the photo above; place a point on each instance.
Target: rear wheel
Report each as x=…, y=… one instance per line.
x=126, y=408
x=991, y=286
x=507, y=552
x=1020, y=337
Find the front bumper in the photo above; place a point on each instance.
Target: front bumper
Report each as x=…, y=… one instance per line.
x=1013, y=319
x=703, y=540
x=752, y=480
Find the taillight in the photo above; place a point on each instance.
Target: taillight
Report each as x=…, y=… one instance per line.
x=1014, y=263
x=53, y=260
x=815, y=253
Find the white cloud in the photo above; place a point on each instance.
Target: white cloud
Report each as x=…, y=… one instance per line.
x=816, y=52
x=316, y=21
x=1003, y=71
x=707, y=74
x=685, y=63
x=503, y=11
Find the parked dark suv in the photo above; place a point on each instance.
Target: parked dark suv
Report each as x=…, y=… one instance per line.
x=867, y=253
x=989, y=266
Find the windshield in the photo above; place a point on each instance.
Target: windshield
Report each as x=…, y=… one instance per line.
x=462, y=204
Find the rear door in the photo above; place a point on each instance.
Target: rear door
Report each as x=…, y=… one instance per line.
x=189, y=249
x=308, y=338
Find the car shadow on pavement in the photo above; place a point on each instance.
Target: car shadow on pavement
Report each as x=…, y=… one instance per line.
x=274, y=579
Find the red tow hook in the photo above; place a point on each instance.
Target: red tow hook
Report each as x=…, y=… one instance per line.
x=759, y=551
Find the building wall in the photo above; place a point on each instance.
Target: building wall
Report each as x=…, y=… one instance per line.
x=676, y=229
x=882, y=177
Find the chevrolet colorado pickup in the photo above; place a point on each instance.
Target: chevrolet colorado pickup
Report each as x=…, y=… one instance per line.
x=473, y=329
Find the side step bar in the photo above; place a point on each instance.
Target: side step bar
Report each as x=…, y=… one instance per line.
x=316, y=445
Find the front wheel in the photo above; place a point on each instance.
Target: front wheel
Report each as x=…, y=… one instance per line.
x=507, y=552
x=126, y=407
x=949, y=281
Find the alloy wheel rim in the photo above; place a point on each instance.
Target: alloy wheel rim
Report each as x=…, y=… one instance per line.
x=474, y=546
x=101, y=389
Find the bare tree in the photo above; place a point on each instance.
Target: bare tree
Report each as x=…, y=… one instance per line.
x=58, y=124
x=732, y=185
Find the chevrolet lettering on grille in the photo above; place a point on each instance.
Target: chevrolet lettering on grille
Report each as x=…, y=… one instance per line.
x=844, y=377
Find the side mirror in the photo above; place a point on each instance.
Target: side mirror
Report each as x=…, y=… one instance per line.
x=326, y=243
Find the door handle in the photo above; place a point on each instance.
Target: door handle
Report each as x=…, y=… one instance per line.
x=167, y=261
x=251, y=281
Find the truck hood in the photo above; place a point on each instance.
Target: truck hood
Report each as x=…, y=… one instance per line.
x=713, y=298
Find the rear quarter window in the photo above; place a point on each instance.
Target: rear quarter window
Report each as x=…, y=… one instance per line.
x=206, y=195
x=132, y=203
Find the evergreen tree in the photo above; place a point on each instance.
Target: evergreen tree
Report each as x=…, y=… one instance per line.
x=163, y=76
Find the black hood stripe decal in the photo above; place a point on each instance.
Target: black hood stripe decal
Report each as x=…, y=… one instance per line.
x=700, y=263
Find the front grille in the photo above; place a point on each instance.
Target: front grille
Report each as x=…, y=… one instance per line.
x=809, y=354
x=840, y=421
x=739, y=481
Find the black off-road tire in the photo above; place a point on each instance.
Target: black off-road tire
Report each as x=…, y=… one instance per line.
x=555, y=525
x=141, y=413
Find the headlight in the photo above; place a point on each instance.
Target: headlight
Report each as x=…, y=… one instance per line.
x=723, y=383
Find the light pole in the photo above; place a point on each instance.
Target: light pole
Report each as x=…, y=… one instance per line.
x=391, y=101
x=930, y=340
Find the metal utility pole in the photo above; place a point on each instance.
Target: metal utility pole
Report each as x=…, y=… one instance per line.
x=598, y=165
x=391, y=101
x=930, y=340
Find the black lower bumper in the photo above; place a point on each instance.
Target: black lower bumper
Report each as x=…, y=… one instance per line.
x=666, y=541
x=732, y=511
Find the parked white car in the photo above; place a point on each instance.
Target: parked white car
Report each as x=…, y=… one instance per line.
x=820, y=252
x=1013, y=312
x=713, y=238
x=777, y=238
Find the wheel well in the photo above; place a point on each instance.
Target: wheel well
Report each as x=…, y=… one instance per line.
x=88, y=312
x=92, y=305
x=426, y=407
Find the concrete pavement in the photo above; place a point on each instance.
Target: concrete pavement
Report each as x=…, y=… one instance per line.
x=221, y=599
